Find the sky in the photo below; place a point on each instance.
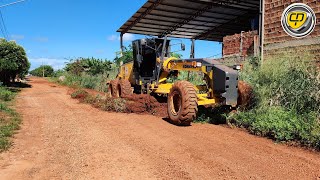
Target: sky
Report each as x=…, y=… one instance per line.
x=54, y=31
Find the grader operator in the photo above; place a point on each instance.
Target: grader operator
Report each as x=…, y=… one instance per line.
x=151, y=68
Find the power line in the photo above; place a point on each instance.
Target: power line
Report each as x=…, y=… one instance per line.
x=3, y=32
x=12, y=3
x=4, y=27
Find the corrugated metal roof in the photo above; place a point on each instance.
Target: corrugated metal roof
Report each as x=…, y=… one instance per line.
x=198, y=19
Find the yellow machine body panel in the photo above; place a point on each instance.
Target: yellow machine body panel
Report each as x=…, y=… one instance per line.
x=126, y=72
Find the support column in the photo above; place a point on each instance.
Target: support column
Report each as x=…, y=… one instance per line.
x=261, y=29
x=121, y=47
x=192, y=55
x=121, y=44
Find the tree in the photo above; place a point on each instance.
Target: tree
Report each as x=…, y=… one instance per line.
x=89, y=65
x=13, y=61
x=127, y=56
x=44, y=70
x=176, y=55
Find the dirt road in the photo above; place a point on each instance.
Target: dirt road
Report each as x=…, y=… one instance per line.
x=62, y=139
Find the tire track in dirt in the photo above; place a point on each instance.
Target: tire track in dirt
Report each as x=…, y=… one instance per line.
x=64, y=139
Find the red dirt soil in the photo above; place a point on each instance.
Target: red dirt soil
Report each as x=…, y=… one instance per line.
x=246, y=95
x=61, y=138
x=136, y=103
x=144, y=103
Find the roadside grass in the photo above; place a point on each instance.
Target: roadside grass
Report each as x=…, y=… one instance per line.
x=287, y=90
x=9, y=119
x=103, y=103
x=287, y=95
x=216, y=115
x=5, y=94
x=84, y=80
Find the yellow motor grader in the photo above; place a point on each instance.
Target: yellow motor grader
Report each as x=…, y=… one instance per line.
x=152, y=67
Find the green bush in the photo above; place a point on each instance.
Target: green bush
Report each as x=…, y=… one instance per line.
x=119, y=105
x=91, y=99
x=90, y=66
x=6, y=95
x=111, y=104
x=216, y=115
x=289, y=81
x=281, y=125
x=84, y=80
x=44, y=70
x=287, y=88
x=80, y=94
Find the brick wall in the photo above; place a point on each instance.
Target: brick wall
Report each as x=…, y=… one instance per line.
x=232, y=44
x=274, y=32
x=277, y=40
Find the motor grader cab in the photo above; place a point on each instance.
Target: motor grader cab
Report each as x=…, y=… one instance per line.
x=151, y=68
x=146, y=64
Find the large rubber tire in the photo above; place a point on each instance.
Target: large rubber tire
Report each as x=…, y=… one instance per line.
x=113, y=88
x=182, y=103
x=125, y=88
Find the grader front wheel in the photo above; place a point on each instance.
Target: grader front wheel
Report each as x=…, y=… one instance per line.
x=125, y=88
x=182, y=103
x=113, y=89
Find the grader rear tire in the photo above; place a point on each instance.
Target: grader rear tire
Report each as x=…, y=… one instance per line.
x=113, y=89
x=182, y=103
x=125, y=88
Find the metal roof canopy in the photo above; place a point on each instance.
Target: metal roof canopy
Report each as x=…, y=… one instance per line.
x=193, y=19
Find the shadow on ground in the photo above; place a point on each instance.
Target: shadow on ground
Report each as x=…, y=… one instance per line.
x=17, y=86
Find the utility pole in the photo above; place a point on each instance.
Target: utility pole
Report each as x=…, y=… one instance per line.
x=42, y=69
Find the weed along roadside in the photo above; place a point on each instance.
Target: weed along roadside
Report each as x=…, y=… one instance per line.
x=287, y=104
x=9, y=118
x=279, y=100
x=284, y=105
x=140, y=104
x=160, y=89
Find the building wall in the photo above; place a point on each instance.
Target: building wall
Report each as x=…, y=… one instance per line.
x=232, y=44
x=276, y=39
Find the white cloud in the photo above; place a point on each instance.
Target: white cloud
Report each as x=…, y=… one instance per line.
x=42, y=39
x=99, y=51
x=126, y=37
x=54, y=62
x=112, y=38
x=16, y=37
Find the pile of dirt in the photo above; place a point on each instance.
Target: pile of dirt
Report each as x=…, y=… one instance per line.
x=80, y=94
x=144, y=103
x=246, y=99
x=135, y=103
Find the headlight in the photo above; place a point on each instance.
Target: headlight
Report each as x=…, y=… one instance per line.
x=237, y=67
